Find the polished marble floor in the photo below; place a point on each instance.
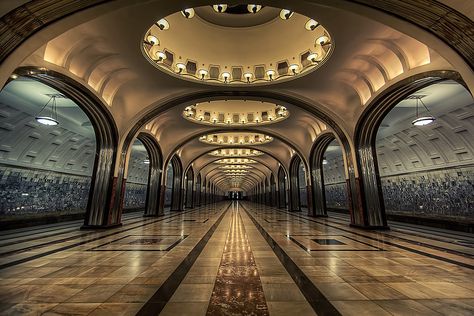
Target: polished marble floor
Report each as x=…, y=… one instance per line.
x=235, y=259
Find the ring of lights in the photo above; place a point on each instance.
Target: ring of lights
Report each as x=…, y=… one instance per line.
x=192, y=47
x=236, y=167
x=235, y=161
x=249, y=113
x=236, y=152
x=244, y=139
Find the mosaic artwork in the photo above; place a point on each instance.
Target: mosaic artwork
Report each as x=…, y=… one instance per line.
x=336, y=195
x=135, y=195
x=445, y=193
x=31, y=192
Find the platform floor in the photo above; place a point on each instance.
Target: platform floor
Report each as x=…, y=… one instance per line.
x=236, y=258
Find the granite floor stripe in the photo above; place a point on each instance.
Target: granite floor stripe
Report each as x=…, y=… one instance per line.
x=238, y=289
x=320, y=304
x=159, y=299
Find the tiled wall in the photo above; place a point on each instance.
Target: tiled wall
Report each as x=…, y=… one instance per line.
x=438, y=193
x=336, y=195
x=135, y=195
x=37, y=192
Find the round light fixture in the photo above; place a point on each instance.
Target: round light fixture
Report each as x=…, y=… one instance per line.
x=220, y=8
x=311, y=25
x=286, y=14
x=203, y=73
x=180, y=67
x=163, y=24
x=188, y=13
x=313, y=57
x=160, y=56
x=270, y=74
x=322, y=40
x=152, y=40
x=294, y=68
x=423, y=121
x=254, y=8
x=46, y=120
x=225, y=76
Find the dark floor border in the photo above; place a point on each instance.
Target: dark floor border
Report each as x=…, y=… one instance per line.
x=43, y=254
x=174, y=244
x=53, y=242
x=423, y=253
x=420, y=243
x=353, y=239
x=315, y=298
x=157, y=302
x=67, y=229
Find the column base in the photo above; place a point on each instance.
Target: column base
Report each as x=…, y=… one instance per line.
x=370, y=227
x=176, y=210
x=93, y=227
x=318, y=215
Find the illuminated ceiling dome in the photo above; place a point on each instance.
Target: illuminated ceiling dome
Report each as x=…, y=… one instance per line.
x=237, y=44
x=242, y=138
x=235, y=112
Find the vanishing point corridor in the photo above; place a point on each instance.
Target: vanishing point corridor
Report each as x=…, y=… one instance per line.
x=282, y=158
x=236, y=258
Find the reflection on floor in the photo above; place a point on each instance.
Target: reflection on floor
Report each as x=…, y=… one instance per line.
x=232, y=258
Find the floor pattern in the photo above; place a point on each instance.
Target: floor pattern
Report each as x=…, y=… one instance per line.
x=233, y=258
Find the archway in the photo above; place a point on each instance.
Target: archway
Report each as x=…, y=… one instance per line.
x=105, y=134
x=155, y=160
x=138, y=176
x=273, y=192
x=198, y=191
x=282, y=188
x=176, y=188
x=302, y=189
x=189, y=197
x=365, y=136
x=330, y=187
x=295, y=196
x=335, y=186
x=426, y=171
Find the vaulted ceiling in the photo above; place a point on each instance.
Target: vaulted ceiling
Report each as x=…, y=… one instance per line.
x=103, y=48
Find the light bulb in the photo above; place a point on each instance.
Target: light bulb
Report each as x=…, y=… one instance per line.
x=286, y=14
x=203, y=73
x=254, y=8
x=180, y=67
x=312, y=57
x=188, y=13
x=219, y=8
x=153, y=40
x=160, y=56
x=163, y=24
x=311, y=25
